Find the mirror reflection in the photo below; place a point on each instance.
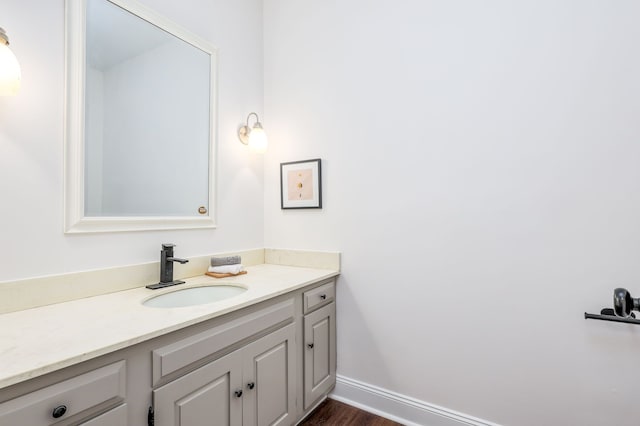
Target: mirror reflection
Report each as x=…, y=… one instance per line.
x=147, y=128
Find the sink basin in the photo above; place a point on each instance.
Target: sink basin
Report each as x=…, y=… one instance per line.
x=194, y=296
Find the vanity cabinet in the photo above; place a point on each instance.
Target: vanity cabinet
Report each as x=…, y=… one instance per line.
x=252, y=386
x=319, y=343
x=267, y=363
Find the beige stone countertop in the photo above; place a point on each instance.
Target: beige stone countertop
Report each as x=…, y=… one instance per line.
x=37, y=341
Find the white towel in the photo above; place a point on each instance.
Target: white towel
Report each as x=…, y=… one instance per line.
x=227, y=269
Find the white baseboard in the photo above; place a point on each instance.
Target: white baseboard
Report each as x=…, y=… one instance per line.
x=397, y=407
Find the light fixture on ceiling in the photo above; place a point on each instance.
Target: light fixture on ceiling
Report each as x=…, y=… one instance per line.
x=254, y=137
x=9, y=68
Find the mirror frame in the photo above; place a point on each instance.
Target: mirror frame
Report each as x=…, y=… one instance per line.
x=74, y=147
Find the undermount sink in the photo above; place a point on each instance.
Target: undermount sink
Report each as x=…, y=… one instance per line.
x=194, y=296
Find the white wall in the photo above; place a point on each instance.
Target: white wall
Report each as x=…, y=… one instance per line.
x=481, y=179
x=31, y=144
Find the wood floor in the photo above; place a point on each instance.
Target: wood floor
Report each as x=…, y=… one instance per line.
x=332, y=412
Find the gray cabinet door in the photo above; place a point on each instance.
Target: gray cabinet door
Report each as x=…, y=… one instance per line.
x=269, y=379
x=207, y=396
x=319, y=353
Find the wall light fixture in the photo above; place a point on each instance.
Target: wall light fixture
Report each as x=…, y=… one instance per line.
x=255, y=137
x=9, y=68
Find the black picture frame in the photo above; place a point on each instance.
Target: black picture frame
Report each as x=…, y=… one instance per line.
x=301, y=184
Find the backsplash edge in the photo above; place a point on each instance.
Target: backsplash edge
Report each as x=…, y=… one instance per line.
x=47, y=290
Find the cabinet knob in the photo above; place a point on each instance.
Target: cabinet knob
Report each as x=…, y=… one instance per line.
x=251, y=385
x=59, y=411
x=323, y=296
x=238, y=393
x=310, y=345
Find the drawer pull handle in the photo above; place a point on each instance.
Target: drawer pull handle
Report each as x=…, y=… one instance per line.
x=238, y=393
x=59, y=411
x=323, y=296
x=310, y=345
x=251, y=385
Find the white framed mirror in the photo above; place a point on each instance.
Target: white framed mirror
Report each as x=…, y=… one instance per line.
x=140, y=126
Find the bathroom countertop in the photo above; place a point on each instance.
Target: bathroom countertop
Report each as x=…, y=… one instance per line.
x=37, y=341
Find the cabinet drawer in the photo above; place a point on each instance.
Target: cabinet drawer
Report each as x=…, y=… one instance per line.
x=76, y=395
x=173, y=357
x=114, y=417
x=320, y=296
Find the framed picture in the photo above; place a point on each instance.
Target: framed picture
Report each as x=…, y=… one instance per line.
x=300, y=186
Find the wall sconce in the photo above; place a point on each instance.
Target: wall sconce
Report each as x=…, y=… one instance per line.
x=9, y=68
x=255, y=137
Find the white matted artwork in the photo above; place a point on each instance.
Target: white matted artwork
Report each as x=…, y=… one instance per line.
x=300, y=185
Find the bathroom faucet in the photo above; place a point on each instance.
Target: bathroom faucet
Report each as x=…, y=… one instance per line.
x=166, y=268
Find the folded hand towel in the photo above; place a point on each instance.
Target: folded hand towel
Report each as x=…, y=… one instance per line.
x=227, y=269
x=229, y=260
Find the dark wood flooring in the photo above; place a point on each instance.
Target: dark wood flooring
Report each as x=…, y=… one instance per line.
x=332, y=412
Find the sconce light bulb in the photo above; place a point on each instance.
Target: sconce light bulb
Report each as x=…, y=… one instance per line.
x=9, y=71
x=258, y=139
x=254, y=137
